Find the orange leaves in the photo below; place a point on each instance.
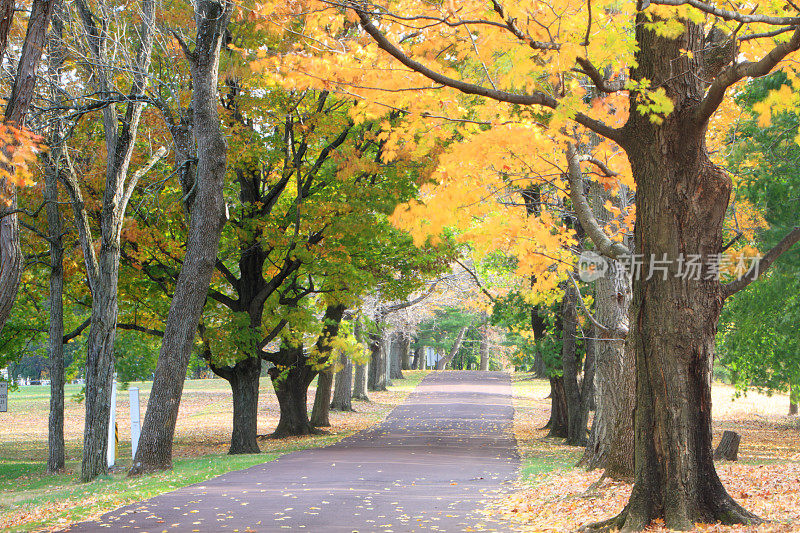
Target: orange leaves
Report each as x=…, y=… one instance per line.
x=18, y=149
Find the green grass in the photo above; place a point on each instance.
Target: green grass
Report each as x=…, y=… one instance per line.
x=539, y=454
x=31, y=500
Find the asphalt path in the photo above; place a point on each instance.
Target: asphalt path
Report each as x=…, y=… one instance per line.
x=430, y=466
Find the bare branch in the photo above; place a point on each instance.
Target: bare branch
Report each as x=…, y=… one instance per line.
x=726, y=14
x=77, y=331
x=511, y=24
x=584, y=212
x=141, y=329
x=769, y=258
x=608, y=333
x=536, y=98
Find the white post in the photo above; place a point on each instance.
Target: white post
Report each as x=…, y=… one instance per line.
x=136, y=427
x=112, y=419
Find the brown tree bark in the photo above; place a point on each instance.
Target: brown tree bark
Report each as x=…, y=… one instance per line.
x=610, y=445
x=419, y=358
x=343, y=385
x=557, y=424
x=320, y=413
x=103, y=270
x=405, y=354
x=55, y=343
x=16, y=109
x=675, y=316
x=208, y=217
x=377, y=379
x=577, y=417
x=398, y=353
x=243, y=378
x=291, y=383
x=360, y=383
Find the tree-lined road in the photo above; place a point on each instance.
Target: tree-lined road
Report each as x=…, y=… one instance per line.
x=427, y=467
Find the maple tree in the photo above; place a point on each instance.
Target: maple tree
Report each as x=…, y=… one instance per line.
x=660, y=72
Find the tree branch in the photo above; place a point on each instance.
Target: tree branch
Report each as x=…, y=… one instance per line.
x=536, y=98
x=726, y=14
x=77, y=331
x=737, y=71
x=605, y=246
x=474, y=276
x=608, y=333
x=142, y=329
x=769, y=258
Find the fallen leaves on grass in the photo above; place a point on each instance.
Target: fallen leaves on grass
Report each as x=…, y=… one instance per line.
x=564, y=501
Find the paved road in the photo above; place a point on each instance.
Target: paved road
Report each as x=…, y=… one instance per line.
x=428, y=467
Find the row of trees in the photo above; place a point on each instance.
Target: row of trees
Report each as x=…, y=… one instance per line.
x=546, y=94
x=533, y=132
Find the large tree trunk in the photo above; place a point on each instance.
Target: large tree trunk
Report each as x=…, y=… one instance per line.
x=558, y=409
x=322, y=400
x=444, y=361
x=419, y=358
x=360, y=383
x=405, y=355
x=399, y=354
x=11, y=263
x=343, y=385
x=291, y=389
x=576, y=417
x=610, y=445
x=377, y=363
x=538, y=326
x=243, y=378
x=291, y=384
x=208, y=217
x=681, y=200
x=55, y=343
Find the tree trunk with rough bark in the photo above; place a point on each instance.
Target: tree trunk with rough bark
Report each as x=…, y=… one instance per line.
x=576, y=419
x=377, y=363
x=538, y=326
x=610, y=445
x=320, y=414
x=484, y=348
x=405, y=355
x=558, y=409
x=398, y=352
x=419, y=358
x=343, y=385
x=243, y=378
x=208, y=217
x=11, y=258
x=360, y=383
x=291, y=384
x=675, y=316
x=55, y=343
x=291, y=389
x=120, y=135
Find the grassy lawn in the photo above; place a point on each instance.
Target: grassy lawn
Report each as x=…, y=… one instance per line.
x=554, y=495
x=31, y=500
